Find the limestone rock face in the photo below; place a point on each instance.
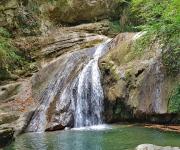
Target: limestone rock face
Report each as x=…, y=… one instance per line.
x=19, y=99
x=154, y=147
x=31, y=17
x=135, y=87
x=77, y=11
x=16, y=105
x=7, y=12
x=54, y=43
x=18, y=18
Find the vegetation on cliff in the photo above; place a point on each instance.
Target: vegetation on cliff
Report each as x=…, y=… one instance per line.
x=174, y=101
x=12, y=61
x=160, y=19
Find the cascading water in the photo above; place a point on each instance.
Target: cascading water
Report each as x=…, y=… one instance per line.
x=77, y=95
x=89, y=103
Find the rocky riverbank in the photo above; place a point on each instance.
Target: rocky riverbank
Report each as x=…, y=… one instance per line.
x=171, y=128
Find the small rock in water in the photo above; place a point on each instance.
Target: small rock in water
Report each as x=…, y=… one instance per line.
x=154, y=147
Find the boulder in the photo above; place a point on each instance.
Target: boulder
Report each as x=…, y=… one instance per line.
x=136, y=85
x=154, y=147
x=76, y=11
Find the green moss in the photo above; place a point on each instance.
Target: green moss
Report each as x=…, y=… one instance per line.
x=61, y=7
x=119, y=55
x=121, y=111
x=174, y=100
x=4, y=32
x=115, y=26
x=27, y=22
x=141, y=45
x=90, y=43
x=128, y=76
x=109, y=69
x=8, y=52
x=11, y=60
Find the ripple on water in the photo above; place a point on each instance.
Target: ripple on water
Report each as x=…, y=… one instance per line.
x=95, y=127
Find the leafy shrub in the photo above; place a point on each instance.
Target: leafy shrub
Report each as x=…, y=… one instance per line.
x=10, y=58
x=174, y=101
x=162, y=19
x=4, y=32
x=27, y=22
x=7, y=52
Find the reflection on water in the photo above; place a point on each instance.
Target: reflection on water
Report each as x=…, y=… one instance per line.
x=117, y=138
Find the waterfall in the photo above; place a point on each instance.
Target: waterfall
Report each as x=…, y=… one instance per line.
x=75, y=92
x=89, y=103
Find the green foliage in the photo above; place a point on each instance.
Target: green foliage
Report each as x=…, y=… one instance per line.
x=10, y=59
x=171, y=59
x=4, y=32
x=109, y=69
x=8, y=53
x=27, y=22
x=147, y=11
x=115, y=26
x=174, y=101
x=140, y=46
x=162, y=19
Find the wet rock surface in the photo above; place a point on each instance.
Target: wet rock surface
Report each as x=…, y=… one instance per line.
x=19, y=99
x=56, y=89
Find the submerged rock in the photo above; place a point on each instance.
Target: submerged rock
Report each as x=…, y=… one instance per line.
x=171, y=128
x=6, y=136
x=154, y=147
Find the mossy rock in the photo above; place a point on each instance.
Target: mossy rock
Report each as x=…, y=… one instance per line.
x=174, y=100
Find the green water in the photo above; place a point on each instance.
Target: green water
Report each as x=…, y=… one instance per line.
x=120, y=137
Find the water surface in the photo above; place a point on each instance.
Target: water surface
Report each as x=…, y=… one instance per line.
x=116, y=137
